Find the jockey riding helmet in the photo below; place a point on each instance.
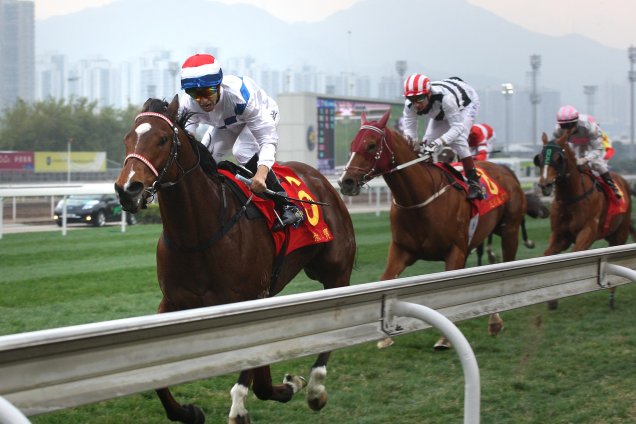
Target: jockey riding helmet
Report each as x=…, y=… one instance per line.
x=567, y=114
x=417, y=85
x=200, y=71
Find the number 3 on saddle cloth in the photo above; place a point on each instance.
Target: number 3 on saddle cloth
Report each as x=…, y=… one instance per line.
x=494, y=194
x=313, y=230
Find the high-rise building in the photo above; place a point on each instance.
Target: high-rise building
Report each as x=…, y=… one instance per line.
x=17, y=51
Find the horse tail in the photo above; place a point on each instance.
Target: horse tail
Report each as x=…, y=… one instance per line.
x=524, y=234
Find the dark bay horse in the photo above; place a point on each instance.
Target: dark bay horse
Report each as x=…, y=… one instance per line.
x=429, y=218
x=207, y=256
x=579, y=208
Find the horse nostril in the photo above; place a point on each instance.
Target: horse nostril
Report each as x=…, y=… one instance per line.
x=346, y=185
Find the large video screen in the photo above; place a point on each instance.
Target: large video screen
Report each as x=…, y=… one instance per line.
x=338, y=123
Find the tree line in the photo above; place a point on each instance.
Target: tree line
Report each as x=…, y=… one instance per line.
x=49, y=124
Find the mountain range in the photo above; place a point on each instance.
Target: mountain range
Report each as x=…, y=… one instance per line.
x=439, y=38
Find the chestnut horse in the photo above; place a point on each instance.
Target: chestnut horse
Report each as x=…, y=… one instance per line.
x=579, y=208
x=429, y=218
x=209, y=254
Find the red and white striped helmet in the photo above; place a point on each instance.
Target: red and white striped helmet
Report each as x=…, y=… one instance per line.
x=567, y=114
x=416, y=85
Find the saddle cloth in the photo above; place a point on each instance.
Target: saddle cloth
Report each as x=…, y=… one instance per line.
x=313, y=230
x=615, y=206
x=494, y=194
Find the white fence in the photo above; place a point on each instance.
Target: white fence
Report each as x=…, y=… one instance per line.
x=53, y=369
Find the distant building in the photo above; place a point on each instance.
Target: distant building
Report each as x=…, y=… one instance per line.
x=17, y=51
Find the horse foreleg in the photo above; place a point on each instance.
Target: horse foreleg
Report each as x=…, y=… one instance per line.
x=265, y=390
x=238, y=413
x=584, y=239
x=557, y=244
x=456, y=259
x=316, y=391
x=189, y=414
x=396, y=261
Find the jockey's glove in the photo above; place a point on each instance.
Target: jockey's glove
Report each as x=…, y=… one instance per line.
x=430, y=148
x=582, y=161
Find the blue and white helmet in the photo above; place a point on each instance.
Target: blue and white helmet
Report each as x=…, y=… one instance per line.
x=201, y=70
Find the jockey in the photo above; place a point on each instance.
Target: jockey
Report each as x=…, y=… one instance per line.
x=585, y=139
x=242, y=120
x=451, y=105
x=480, y=141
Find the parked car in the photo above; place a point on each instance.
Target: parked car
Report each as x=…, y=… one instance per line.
x=92, y=209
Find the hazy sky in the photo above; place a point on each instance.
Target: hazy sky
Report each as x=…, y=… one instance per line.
x=610, y=22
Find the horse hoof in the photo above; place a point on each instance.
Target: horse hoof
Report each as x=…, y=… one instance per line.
x=296, y=382
x=317, y=403
x=553, y=305
x=195, y=414
x=442, y=344
x=383, y=344
x=240, y=420
x=495, y=325
x=529, y=244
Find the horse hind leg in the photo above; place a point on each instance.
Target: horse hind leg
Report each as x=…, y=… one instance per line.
x=188, y=414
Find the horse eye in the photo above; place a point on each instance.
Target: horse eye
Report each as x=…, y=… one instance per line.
x=163, y=140
x=371, y=147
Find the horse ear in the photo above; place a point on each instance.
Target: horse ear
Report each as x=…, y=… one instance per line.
x=544, y=138
x=173, y=108
x=384, y=118
x=363, y=118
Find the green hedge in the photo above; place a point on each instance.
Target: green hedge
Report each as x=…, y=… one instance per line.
x=149, y=215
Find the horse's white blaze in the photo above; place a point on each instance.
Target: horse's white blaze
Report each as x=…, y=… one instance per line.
x=316, y=382
x=353, y=154
x=142, y=129
x=238, y=394
x=545, y=171
x=131, y=174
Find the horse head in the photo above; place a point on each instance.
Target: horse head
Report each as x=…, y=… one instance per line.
x=152, y=161
x=553, y=162
x=371, y=155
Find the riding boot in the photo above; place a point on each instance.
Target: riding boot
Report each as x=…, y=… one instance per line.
x=288, y=213
x=474, y=188
x=610, y=182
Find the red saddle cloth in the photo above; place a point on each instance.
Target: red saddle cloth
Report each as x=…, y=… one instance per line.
x=494, y=194
x=615, y=206
x=313, y=230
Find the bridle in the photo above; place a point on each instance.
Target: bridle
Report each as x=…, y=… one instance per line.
x=173, y=158
x=375, y=169
x=379, y=170
x=549, y=155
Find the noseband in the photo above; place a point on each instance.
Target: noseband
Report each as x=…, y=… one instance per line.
x=173, y=158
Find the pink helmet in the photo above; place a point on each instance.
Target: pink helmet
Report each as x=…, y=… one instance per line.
x=567, y=114
x=417, y=84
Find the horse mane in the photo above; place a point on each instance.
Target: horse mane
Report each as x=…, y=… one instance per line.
x=183, y=117
x=161, y=106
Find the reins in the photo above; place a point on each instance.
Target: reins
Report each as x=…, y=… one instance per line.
x=371, y=173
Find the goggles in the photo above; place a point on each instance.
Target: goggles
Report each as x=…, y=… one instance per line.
x=420, y=98
x=202, y=92
x=567, y=125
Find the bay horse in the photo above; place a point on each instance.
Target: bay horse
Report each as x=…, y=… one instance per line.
x=209, y=254
x=429, y=218
x=579, y=209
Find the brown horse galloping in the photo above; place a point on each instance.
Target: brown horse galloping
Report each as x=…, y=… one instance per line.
x=429, y=218
x=204, y=260
x=579, y=209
